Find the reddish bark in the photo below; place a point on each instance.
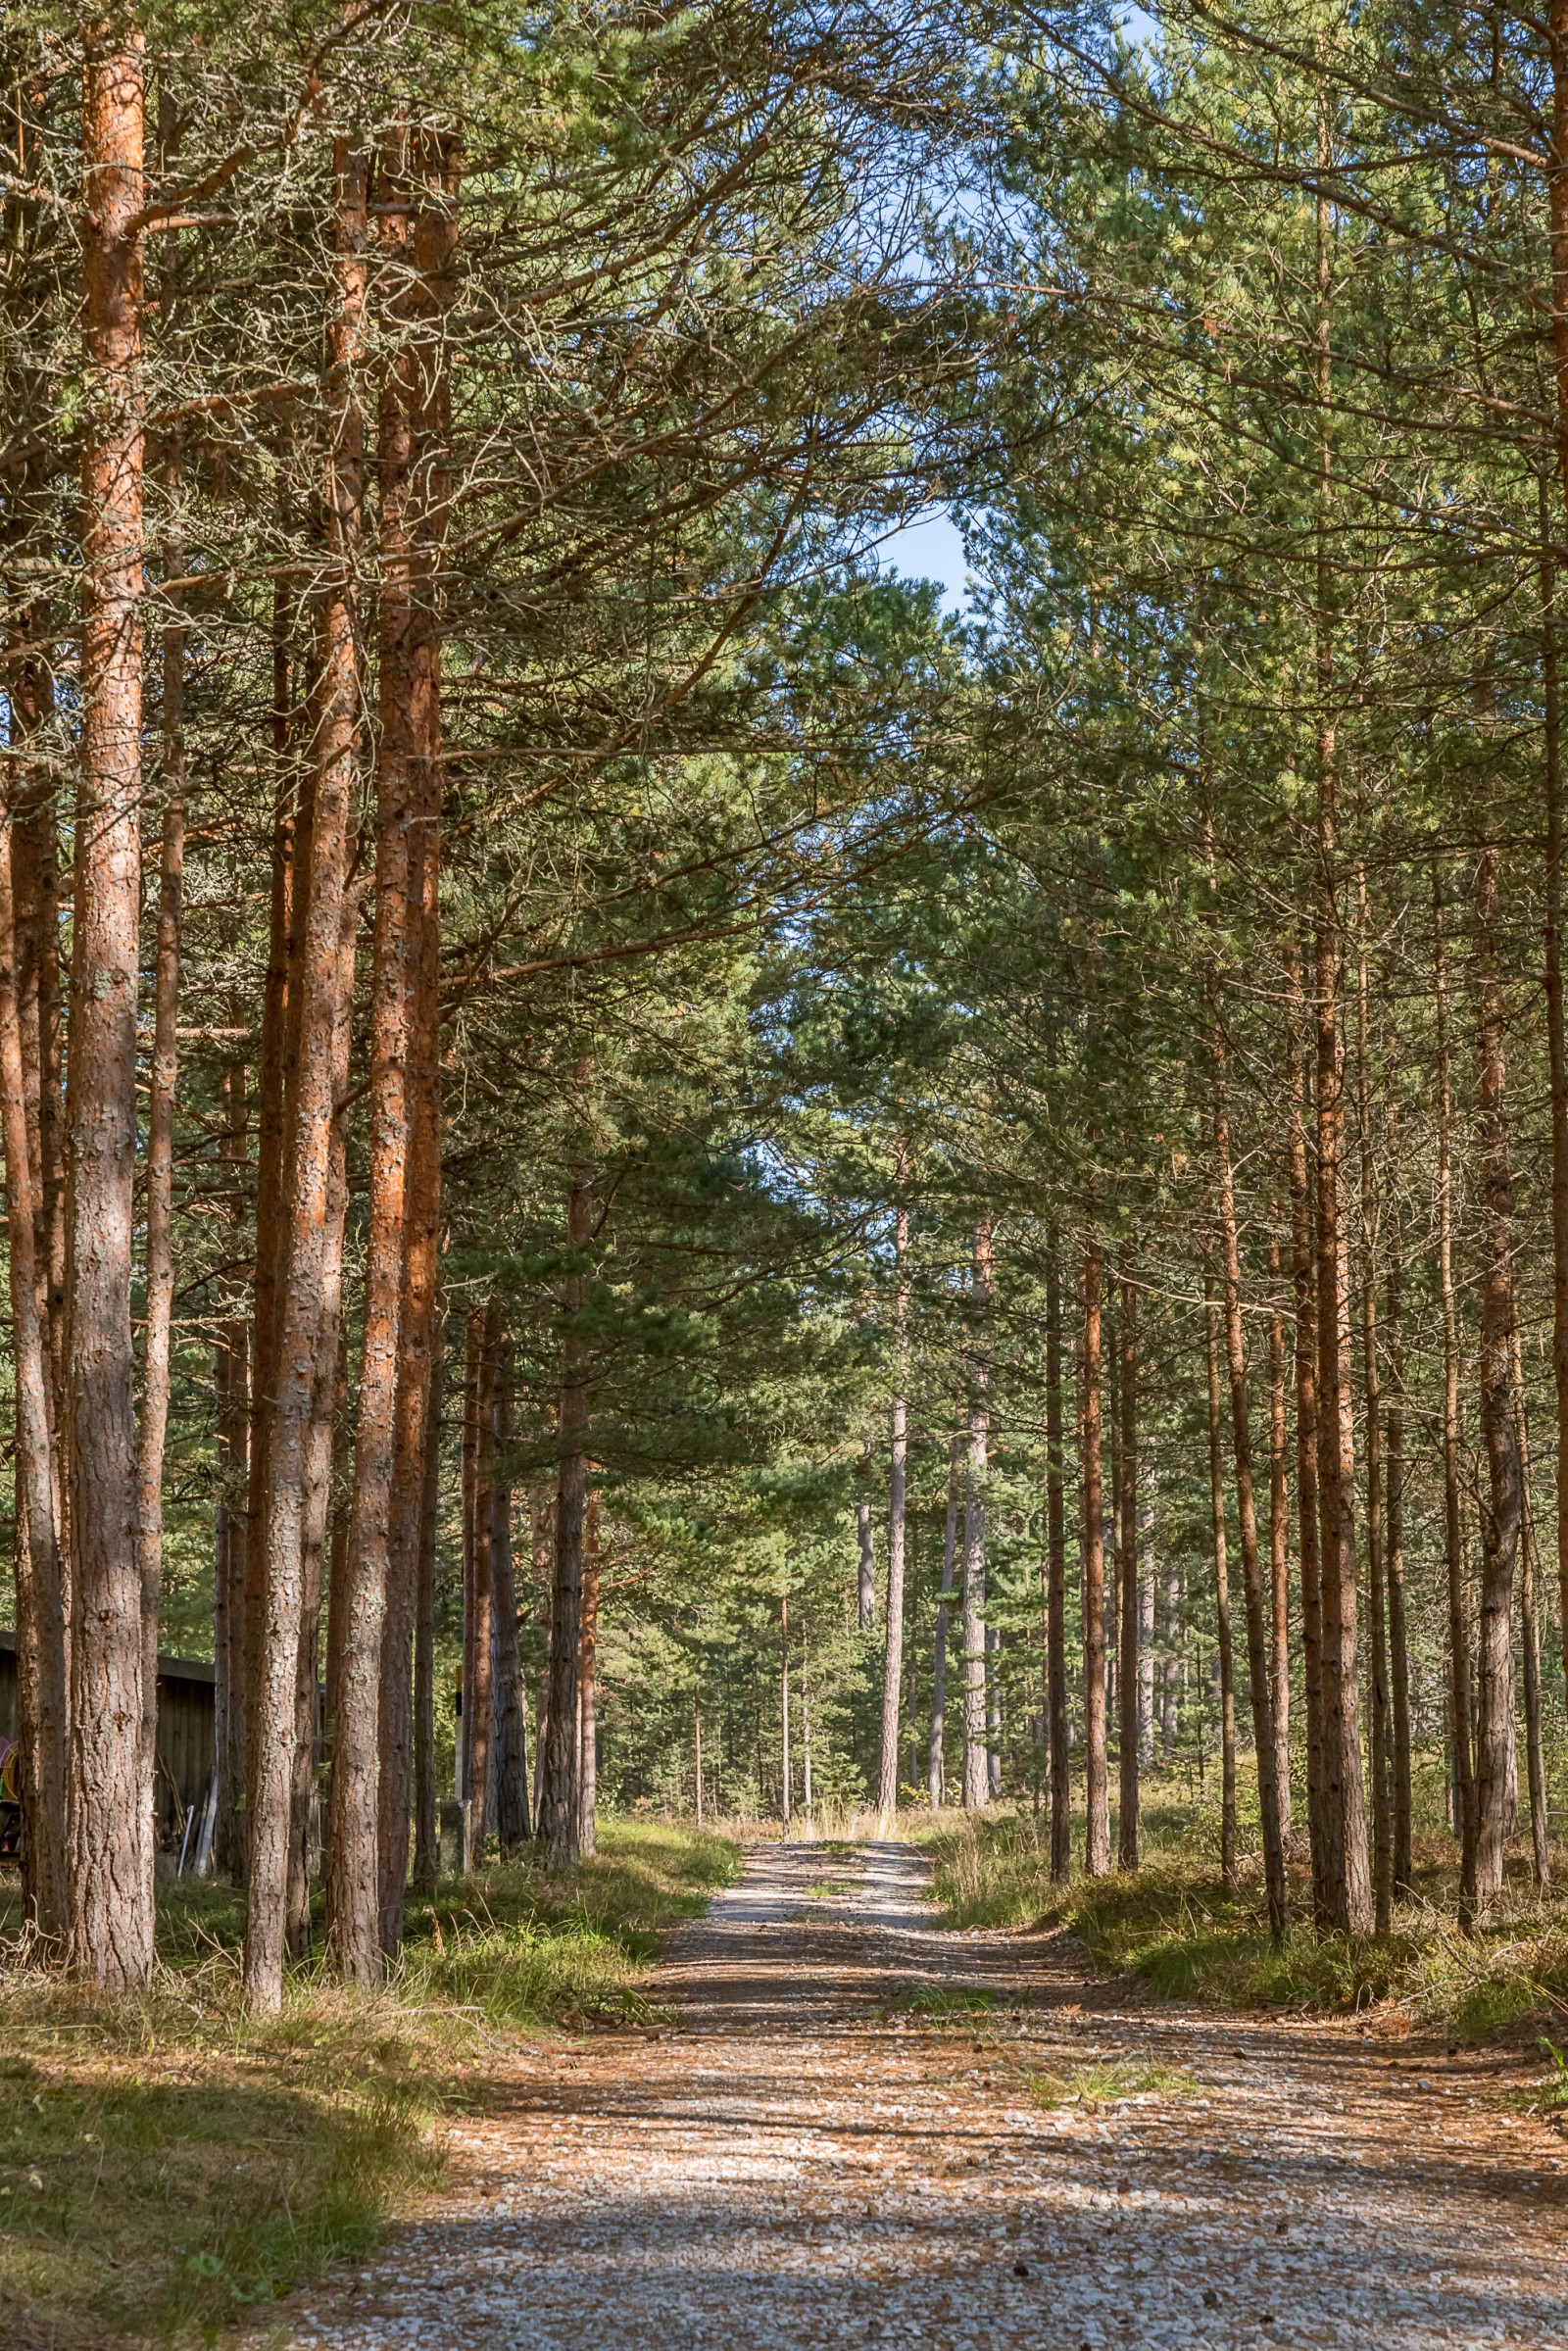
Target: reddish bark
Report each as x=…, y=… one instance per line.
x=362, y=1693
x=1097, y=1845
x=1502, y=1503
x=559, y=1821
x=427, y=1842
x=1279, y=1540
x=893, y=1630
x=1399, y=1641
x=1056, y=1574
x=111, y=1927
x=976, y=1773
x=1303, y=1265
x=1346, y=1873
x=40, y=1612
x=1222, y=1596
x=414, y=511
x=334, y=743
x=1453, y=1539
x=231, y=1387
x=1127, y=1682
x=588, y=1684
x=159, y=1254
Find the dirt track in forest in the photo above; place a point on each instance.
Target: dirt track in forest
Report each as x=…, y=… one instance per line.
x=793, y=2160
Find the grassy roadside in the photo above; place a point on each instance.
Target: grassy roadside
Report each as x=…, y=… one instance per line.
x=1172, y=1928
x=167, y=2166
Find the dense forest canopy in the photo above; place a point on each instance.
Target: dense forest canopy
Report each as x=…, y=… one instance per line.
x=642, y=1169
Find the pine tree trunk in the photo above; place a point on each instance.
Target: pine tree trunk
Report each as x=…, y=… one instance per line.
x=1348, y=1877
x=1529, y=1635
x=1304, y=1263
x=1398, y=1637
x=1222, y=1597
x=309, y=1273
x=1279, y=1536
x=893, y=1636
x=936, y=1764
x=512, y=1713
x=785, y=1793
x=1097, y=1845
x=1127, y=1674
x=1380, y=1740
x=558, y=1811
x=415, y=496
x=473, y=1353
x=1501, y=1505
x=111, y=1927
x=1258, y=1653
x=232, y=1526
x=1057, y=1575
x=158, y=1246
x=1459, y=1725
x=480, y=1692
x=976, y=1774
x=1557, y=194
x=587, y=1684
x=364, y=1865
x=426, y=1835
x=324, y=1444
x=41, y=1607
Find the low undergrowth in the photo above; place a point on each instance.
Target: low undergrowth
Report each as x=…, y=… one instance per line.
x=1108, y=2084
x=1172, y=1927
x=167, y=2163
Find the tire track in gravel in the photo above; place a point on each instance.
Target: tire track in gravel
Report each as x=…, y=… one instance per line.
x=795, y=2158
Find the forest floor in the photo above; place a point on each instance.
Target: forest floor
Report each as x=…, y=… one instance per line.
x=844, y=2125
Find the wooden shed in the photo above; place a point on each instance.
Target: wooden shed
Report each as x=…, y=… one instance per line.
x=184, y=1734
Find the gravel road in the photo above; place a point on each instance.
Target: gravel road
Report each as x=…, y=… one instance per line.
x=799, y=2158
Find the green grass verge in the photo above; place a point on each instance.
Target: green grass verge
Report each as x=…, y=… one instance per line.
x=1172, y=1927
x=167, y=2164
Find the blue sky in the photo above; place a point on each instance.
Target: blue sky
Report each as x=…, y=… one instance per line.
x=930, y=548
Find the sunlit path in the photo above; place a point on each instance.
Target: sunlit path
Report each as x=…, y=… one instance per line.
x=799, y=2157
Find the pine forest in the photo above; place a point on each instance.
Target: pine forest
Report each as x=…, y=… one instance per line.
x=678, y=1202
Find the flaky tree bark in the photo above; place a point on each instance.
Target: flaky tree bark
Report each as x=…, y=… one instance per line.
x=1257, y=1655
x=1056, y=1574
x=1222, y=1595
x=40, y=1607
x=111, y=1926
x=559, y=1818
x=893, y=1636
x=976, y=1774
x=276, y=1099
x=1127, y=1683
x=1097, y=1832
x=426, y=1838
x=1557, y=199
x=232, y=1520
x=1348, y=1876
x=159, y=1253
x=1304, y=1266
x=479, y=1788
x=1398, y=1637
x=512, y=1710
x=1453, y=1538
x=1380, y=1740
x=361, y=1697
x=1501, y=1505
x=936, y=1761
x=1279, y=1534
x=1530, y=1633
x=588, y=1687
x=309, y=1272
